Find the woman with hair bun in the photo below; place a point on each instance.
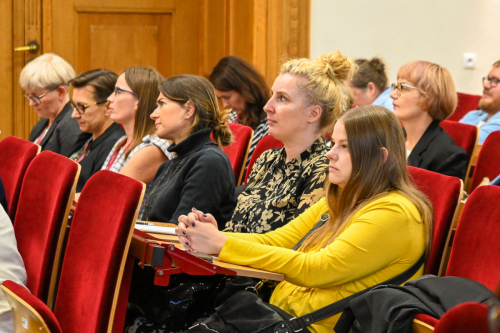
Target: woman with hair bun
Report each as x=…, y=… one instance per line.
x=369, y=84
x=307, y=97
x=244, y=91
x=201, y=175
x=424, y=96
x=372, y=225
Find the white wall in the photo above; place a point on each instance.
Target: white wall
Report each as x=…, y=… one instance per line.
x=400, y=31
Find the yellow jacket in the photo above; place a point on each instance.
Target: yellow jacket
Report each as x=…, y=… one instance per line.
x=385, y=238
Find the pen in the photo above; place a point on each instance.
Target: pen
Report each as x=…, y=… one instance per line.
x=145, y=223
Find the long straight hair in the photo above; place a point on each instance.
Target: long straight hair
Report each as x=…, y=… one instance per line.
x=145, y=83
x=370, y=128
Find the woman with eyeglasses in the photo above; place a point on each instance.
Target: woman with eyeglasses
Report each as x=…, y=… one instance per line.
x=90, y=109
x=140, y=152
x=45, y=81
x=423, y=97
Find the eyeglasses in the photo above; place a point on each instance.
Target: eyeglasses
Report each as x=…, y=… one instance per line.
x=400, y=87
x=120, y=90
x=492, y=80
x=37, y=100
x=80, y=108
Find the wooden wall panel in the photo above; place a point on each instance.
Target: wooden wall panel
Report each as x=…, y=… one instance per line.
x=6, y=68
x=145, y=39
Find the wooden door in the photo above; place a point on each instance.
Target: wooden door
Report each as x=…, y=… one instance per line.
x=173, y=36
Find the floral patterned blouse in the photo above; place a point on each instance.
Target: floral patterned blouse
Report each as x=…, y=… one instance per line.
x=277, y=192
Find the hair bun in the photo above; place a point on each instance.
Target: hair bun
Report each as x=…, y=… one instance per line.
x=378, y=65
x=336, y=66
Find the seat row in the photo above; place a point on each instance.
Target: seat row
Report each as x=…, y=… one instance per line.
x=47, y=194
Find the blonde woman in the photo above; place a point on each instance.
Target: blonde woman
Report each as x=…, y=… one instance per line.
x=307, y=96
x=45, y=81
x=377, y=224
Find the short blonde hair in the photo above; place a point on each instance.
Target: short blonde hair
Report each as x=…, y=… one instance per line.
x=325, y=83
x=47, y=71
x=439, y=97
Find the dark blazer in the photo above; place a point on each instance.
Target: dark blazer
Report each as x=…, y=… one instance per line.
x=63, y=135
x=98, y=152
x=436, y=151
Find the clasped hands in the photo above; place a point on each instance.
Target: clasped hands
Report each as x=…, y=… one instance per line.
x=198, y=232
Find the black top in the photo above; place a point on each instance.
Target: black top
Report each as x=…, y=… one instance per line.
x=62, y=135
x=98, y=152
x=200, y=176
x=436, y=151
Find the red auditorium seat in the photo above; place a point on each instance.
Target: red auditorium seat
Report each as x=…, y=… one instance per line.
x=474, y=253
x=266, y=143
x=466, y=103
x=488, y=161
x=15, y=156
x=444, y=192
x=464, y=318
x=95, y=256
x=238, y=150
x=42, y=215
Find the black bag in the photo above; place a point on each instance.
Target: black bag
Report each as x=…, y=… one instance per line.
x=244, y=312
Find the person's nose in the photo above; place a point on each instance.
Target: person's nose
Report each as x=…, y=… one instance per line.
x=226, y=104
x=394, y=94
x=154, y=115
x=331, y=155
x=269, y=106
x=75, y=114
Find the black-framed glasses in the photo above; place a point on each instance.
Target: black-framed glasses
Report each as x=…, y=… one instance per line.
x=400, y=87
x=37, y=100
x=118, y=91
x=492, y=80
x=80, y=108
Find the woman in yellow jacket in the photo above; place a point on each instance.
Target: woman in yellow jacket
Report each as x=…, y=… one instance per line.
x=379, y=225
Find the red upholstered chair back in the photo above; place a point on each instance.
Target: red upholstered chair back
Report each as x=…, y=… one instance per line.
x=238, y=150
x=466, y=103
x=476, y=246
x=15, y=156
x=41, y=218
x=444, y=194
x=465, y=136
x=488, y=161
x=95, y=255
x=464, y=318
x=266, y=143
x=29, y=308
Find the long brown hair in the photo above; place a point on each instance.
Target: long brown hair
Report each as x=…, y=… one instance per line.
x=233, y=73
x=198, y=90
x=144, y=82
x=370, y=128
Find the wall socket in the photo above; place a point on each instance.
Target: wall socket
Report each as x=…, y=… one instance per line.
x=470, y=60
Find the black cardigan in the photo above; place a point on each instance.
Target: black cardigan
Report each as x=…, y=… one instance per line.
x=436, y=151
x=63, y=134
x=200, y=176
x=98, y=152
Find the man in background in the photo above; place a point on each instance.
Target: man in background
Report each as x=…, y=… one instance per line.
x=488, y=115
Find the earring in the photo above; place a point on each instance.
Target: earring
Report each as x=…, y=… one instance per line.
x=187, y=117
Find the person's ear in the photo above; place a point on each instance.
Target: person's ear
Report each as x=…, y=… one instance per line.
x=190, y=108
x=385, y=154
x=314, y=113
x=107, y=113
x=371, y=89
x=62, y=92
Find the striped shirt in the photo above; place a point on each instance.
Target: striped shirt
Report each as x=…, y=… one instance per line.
x=148, y=140
x=260, y=131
